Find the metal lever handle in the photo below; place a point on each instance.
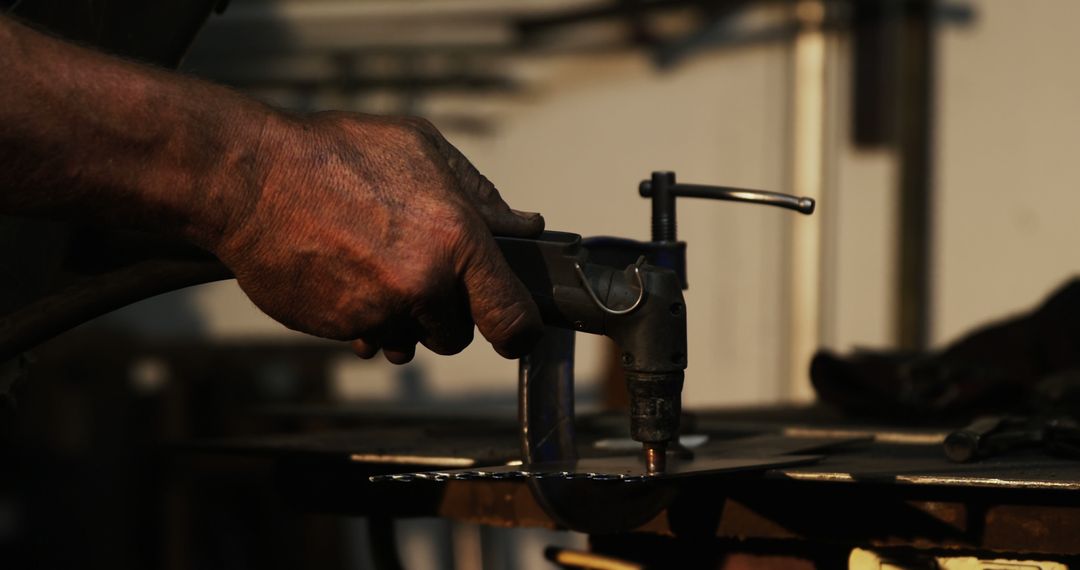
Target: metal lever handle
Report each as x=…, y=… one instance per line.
x=802, y=204
x=662, y=190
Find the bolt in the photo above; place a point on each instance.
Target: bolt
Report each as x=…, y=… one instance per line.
x=627, y=359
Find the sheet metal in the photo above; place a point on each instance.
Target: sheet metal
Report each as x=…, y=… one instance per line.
x=626, y=469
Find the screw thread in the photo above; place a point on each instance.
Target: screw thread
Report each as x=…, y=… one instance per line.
x=663, y=228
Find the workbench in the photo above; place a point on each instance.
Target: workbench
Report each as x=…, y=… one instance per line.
x=877, y=487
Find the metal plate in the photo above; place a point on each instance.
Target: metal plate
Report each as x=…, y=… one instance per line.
x=626, y=469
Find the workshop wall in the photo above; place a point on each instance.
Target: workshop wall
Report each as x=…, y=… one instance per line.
x=1008, y=174
x=1005, y=180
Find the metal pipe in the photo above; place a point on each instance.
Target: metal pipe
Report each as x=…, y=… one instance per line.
x=546, y=399
x=916, y=175
x=92, y=296
x=808, y=130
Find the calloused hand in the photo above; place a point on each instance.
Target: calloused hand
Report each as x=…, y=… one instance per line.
x=376, y=230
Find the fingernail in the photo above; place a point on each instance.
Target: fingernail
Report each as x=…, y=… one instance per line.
x=533, y=220
x=528, y=216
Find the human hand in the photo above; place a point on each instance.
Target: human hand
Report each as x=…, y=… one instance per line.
x=374, y=230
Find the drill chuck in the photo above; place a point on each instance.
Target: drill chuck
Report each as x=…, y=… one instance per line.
x=655, y=405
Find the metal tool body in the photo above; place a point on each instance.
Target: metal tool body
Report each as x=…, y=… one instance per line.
x=640, y=307
x=631, y=292
x=628, y=290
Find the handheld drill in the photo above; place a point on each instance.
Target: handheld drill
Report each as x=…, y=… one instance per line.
x=629, y=291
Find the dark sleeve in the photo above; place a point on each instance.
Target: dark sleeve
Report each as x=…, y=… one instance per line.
x=157, y=31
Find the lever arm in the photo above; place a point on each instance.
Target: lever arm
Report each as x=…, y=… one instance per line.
x=802, y=204
x=663, y=190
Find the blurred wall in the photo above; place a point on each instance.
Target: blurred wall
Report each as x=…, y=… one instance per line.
x=1009, y=161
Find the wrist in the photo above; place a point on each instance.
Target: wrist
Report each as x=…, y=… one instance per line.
x=248, y=143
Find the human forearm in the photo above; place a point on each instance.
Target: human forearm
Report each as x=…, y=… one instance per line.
x=87, y=136
x=347, y=226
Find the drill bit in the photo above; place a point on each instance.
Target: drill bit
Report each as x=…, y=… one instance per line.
x=655, y=457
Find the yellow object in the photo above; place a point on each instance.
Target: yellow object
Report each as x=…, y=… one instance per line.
x=590, y=561
x=868, y=560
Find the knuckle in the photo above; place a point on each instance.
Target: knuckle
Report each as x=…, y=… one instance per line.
x=422, y=124
x=488, y=193
x=333, y=119
x=506, y=323
x=410, y=135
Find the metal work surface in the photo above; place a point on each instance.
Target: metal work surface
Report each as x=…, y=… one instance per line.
x=868, y=489
x=624, y=469
x=927, y=465
x=376, y=437
x=851, y=454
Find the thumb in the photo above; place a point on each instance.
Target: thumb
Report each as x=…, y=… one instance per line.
x=500, y=218
x=502, y=308
x=482, y=195
x=514, y=223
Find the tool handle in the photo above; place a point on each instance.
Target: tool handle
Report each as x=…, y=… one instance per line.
x=662, y=190
x=802, y=205
x=991, y=435
x=571, y=291
x=640, y=306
